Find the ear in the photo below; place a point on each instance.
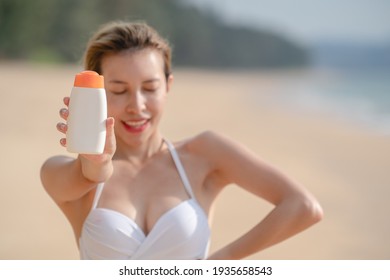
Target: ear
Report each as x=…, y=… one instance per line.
x=169, y=82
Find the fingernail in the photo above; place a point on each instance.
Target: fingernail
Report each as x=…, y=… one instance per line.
x=63, y=141
x=60, y=126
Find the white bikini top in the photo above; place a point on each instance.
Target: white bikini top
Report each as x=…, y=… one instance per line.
x=180, y=233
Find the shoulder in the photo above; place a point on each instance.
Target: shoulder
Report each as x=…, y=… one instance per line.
x=212, y=146
x=198, y=147
x=203, y=142
x=54, y=160
x=212, y=141
x=203, y=155
x=53, y=163
x=61, y=180
x=225, y=154
x=48, y=170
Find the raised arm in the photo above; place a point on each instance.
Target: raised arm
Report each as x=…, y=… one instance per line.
x=295, y=208
x=68, y=179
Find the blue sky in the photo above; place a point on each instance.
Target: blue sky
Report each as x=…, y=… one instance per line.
x=310, y=21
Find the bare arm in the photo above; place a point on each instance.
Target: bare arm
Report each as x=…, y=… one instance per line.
x=295, y=208
x=68, y=179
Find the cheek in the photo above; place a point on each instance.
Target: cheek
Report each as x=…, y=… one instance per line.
x=156, y=104
x=114, y=106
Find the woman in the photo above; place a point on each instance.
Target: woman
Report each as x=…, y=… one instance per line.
x=146, y=198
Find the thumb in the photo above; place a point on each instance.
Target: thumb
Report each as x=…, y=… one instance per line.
x=110, y=136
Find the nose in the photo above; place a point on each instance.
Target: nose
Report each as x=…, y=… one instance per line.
x=135, y=103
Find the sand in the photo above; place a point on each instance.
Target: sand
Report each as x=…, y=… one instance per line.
x=346, y=166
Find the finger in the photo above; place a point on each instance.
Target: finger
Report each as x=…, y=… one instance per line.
x=66, y=100
x=110, y=136
x=110, y=123
x=64, y=113
x=61, y=127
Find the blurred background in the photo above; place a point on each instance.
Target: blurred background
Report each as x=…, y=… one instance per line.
x=349, y=37
x=304, y=83
x=216, y=33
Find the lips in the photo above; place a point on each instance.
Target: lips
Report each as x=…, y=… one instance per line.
x=136, y=126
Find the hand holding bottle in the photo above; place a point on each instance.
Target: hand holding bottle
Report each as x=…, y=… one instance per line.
x=92, y=164
x=87, y=129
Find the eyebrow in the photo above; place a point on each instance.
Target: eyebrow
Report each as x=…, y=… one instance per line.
x=117, y=82
x=151, y=80
x=144, y=82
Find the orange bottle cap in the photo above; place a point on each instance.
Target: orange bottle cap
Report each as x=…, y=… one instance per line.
x=89, y=79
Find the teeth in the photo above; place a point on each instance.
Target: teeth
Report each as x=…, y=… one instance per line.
x=136, y=123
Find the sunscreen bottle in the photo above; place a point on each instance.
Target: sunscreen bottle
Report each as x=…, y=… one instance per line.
x=86, y=132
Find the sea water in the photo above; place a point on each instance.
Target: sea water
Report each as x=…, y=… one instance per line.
x=361, y=96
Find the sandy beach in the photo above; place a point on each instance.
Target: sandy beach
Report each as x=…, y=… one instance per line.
x=343, y=164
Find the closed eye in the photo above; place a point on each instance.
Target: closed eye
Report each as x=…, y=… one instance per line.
x=116, y=92
x=150, y=90
x=151, y=85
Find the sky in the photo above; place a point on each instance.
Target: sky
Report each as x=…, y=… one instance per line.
x=310, y=21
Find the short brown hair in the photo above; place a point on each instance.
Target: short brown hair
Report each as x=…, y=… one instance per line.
x=118, y=36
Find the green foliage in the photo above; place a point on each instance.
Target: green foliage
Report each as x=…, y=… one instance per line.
x=57, y=30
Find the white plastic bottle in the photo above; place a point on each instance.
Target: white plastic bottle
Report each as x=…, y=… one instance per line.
x=86, y=132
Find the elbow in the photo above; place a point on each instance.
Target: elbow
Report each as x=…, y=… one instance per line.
x=310, y=210
x=304, y=209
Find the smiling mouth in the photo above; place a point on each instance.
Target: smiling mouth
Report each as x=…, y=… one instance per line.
x=136, y=126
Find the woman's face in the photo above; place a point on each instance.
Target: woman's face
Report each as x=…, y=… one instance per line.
x=136, y=90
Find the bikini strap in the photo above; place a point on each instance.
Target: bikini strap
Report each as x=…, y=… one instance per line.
x=98, y=193
x=180, y=168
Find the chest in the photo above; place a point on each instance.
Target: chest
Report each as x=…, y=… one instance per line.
x=146, y=194
x=181, y=233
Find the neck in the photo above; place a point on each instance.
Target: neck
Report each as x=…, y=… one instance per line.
x=138, y=153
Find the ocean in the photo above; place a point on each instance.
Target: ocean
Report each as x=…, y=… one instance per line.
x=360, y=96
